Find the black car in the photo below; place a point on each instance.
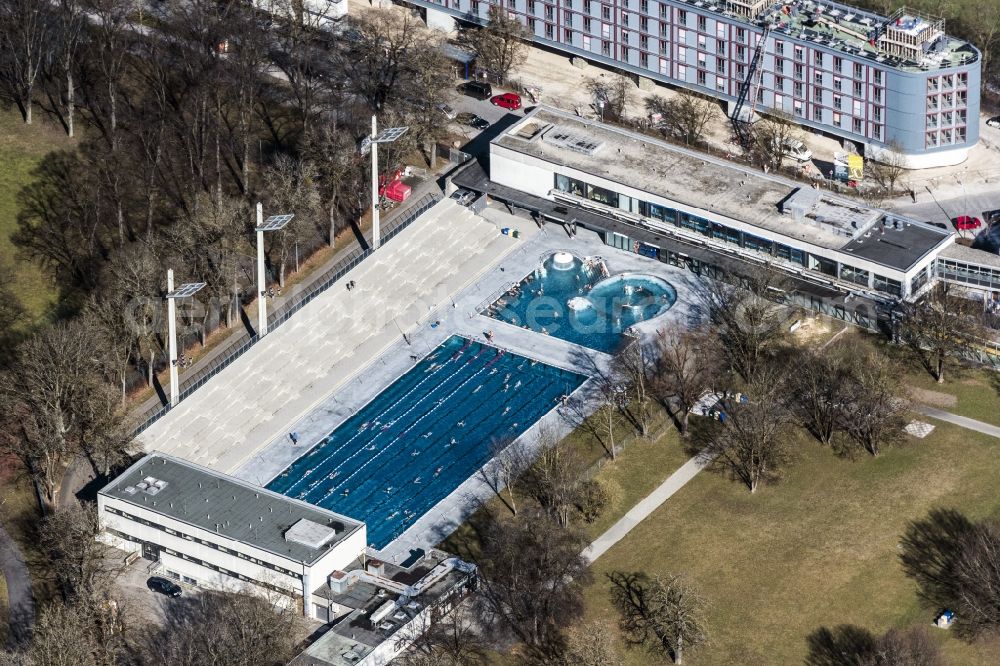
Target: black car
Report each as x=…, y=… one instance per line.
x=164, y=586
x=479, y=123
x=478, y=89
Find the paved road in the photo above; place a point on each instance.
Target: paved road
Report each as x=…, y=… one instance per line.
x=643, y=509
x=962, y=421
x=932, y=209
x=20, y=602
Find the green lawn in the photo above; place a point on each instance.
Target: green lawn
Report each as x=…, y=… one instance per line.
x=818, y=548
x=21, y=148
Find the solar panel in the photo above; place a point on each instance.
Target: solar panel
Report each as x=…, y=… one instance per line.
x=390, y=135
x=275, y=222
x=185, y=290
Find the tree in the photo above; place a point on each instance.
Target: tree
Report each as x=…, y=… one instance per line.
x=875, y=414
x=46, y=398
x=888, y=166
x=747, y=317
x=27, y=36
x=941, y=328
x=83, y=566
x=685, y=115
x=554, y=481
x=631, y=378
x=233, y=628
x=509, y=461
x=956, y=565
x=291, y=187
x=821, y=384
x=665, y=614
x=341, y=172
x=848, y=645
x=775, y=133
x=501, y=46
x=751, y=443
x=453, y=640
x=687, y=366
x=591, y=644
x=615, y=93
x=532, y=578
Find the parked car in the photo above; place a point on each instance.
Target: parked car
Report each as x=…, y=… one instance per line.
x=478, y=89
x=994, y=121
x=510, y=101
x=966, y=222
x=164, y=586
x=448, y=112
x=463, y=197
x=479, y=123
x=796, y=149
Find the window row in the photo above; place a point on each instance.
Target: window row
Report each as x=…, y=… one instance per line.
x=721, y=232
x=203, y=542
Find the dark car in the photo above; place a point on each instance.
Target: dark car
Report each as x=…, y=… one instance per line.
x=164, y=586
x=479, y=123
x=994, y=121
x=478, y=89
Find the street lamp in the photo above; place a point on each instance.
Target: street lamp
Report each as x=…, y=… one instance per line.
x=273, y=223
x=184, y=291
x=387, y=136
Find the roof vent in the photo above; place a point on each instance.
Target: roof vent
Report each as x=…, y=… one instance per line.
x=130, y=490
x=310, y=534
x=575, y=142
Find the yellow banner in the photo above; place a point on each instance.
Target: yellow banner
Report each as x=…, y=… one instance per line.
x=855, y=167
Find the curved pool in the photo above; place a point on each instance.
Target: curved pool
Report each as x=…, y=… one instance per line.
x=577, y=301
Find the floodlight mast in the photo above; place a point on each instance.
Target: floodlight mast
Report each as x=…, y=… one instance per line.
x=388, y=136
x=185, y=290
x=273, y=223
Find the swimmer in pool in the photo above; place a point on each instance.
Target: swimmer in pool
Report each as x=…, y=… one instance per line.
x=461, y=424
x=415, y=453
x=506, y=409
x=438, y=471
x=346, y=492
x=453, y=442
x=389, y=489
x=417, y=480
x=477, y=388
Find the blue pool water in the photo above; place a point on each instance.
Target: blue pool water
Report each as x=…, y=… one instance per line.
x=424, y=435
x=573, y=300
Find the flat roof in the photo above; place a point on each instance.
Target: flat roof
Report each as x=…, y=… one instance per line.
x=959, y=252
x=770, y=202
x=227, y=506
x=898, y=243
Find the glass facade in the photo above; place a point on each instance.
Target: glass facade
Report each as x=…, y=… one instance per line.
x=971, y=274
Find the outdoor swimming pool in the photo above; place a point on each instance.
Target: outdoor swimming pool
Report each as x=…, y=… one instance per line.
x=424, y=435
x=577, y=301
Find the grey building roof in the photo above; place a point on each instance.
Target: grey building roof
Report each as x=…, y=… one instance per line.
x=770, y=202
x=230, y=507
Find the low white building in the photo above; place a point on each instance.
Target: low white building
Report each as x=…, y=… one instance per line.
x=212, y=530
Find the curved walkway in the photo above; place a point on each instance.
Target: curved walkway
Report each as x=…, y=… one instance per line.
x=20, y=602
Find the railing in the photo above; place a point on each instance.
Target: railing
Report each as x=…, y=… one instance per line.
x=280, y=316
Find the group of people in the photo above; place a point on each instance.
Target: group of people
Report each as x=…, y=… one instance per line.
x=183, y=361
x=351, y=285
x=272, y=292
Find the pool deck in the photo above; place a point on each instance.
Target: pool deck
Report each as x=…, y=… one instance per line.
x=459, y=316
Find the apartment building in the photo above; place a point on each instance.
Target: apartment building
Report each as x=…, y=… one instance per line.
x=868, y=79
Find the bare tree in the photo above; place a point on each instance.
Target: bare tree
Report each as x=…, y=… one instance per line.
x=665, y=614
x=291, y=187
x=83, y=566
x=613, y=94
x=632, y=371
x=876, y=413
x=454, y=640
x=333, y=152
x=501, y=46
x=685, y=115
x=956, y=564
x=888, y=167
x=237, y=628
x=748, y=317
x=821, y=385
x=27, y=37
x=532, y=579
x=941, y=329
x=775, y=133
x=591, y=644
x=508, y=462
x=554, y=481
x=751, y=443
x=687, y=366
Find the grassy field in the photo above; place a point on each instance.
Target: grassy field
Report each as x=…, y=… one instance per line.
x=819, y=548
x=21, y=148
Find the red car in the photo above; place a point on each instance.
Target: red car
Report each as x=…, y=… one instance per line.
x=507, y=100
x=966, y=222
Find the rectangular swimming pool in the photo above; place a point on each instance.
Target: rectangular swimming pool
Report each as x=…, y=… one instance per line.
x=424, y=435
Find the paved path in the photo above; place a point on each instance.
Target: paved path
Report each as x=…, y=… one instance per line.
x=20, y=602
x=962, y=421
x=643, y=509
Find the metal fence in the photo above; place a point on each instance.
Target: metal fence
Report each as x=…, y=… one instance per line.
x=296, y=303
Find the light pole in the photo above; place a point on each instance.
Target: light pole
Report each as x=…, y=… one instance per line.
x=387, y=136
x=273, y=223
x=185, y=290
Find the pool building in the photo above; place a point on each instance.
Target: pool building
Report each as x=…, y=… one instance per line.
x=690, y=210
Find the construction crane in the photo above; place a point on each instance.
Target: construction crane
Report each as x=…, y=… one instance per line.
x=743, y=128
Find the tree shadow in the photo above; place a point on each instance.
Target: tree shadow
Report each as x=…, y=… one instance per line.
x=844, y=645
